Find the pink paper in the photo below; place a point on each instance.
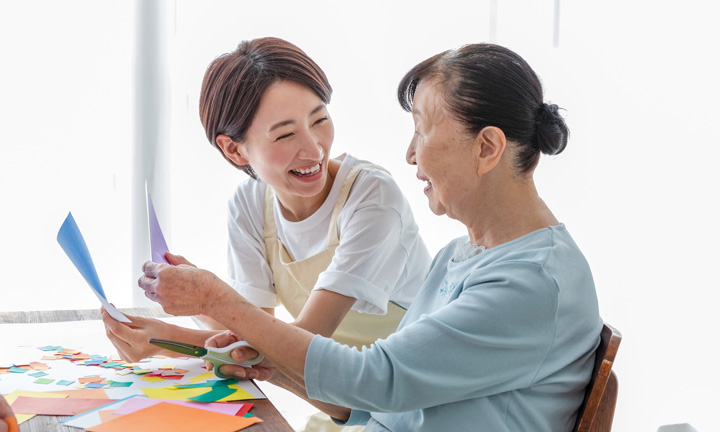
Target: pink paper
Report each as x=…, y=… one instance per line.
x=138, y=403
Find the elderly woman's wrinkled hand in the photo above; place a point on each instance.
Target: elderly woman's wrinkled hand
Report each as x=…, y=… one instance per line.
x=262, y=371
x=181, y=289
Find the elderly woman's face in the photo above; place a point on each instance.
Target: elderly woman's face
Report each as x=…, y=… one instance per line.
x=442, y=151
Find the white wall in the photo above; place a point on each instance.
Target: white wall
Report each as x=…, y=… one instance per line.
x=636, y=186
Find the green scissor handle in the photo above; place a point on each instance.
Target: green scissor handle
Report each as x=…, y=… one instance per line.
x=221, y=356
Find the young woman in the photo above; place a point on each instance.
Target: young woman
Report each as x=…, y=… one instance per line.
x=503, y=333
x=332, y=240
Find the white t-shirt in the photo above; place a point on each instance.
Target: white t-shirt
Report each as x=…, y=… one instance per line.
x=380, y=258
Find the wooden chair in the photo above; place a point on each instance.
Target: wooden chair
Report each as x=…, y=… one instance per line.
x=598, y=408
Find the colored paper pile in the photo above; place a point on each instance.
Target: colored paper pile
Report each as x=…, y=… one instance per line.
x=175, y=407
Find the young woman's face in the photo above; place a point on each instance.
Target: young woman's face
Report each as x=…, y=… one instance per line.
x=289, y=140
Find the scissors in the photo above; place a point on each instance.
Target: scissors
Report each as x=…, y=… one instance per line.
x=218, y=356
x=12, y=424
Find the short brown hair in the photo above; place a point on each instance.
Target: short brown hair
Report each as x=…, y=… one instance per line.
x=235, y=82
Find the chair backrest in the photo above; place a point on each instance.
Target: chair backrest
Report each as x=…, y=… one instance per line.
x=598, y=408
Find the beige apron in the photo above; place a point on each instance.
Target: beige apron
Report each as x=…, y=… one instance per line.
x=294, y=280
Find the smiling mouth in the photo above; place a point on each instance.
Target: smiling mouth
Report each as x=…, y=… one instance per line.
x=428, y=186
x=307, y=172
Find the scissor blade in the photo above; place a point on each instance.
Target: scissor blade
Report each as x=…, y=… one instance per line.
x=179, y=347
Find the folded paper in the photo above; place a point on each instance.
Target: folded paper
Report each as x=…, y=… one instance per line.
x=158, y=246
x=73, y=243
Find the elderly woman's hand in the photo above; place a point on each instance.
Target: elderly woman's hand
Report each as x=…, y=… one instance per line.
x=182, y=289
x=262, y=371
x=6, y=413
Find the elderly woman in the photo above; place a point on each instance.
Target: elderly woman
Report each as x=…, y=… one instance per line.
x=502, y=334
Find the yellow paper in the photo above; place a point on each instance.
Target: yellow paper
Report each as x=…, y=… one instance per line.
x=22, y=418
x=10, y=398
x=153, y=379
x=202, y=377
x=184, y=394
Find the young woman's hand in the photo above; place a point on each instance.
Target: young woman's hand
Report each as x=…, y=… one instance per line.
x=131, y=340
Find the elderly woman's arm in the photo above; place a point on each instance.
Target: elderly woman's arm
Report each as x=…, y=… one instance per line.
x=186, y=290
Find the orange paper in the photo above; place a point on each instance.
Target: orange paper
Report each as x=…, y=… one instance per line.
x=55, y=406
x=107, y=415
x=90, y=379
x=165, y=417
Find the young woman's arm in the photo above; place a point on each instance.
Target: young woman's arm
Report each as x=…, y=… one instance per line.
x=131, y=341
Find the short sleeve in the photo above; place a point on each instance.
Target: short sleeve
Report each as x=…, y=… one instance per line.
x=372, y=256
x=248, y=270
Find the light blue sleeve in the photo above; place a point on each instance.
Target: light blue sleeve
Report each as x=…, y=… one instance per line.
x=357, y=418
x=491, y=339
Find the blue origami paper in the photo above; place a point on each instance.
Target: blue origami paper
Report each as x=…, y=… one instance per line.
x=73, y=243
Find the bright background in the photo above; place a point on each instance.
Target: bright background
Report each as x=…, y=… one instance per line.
x=637, y=185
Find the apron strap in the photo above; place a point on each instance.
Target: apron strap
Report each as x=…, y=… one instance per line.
x=270, y=230
x=348, y=183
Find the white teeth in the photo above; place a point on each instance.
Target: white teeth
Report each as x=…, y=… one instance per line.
x=309, y=171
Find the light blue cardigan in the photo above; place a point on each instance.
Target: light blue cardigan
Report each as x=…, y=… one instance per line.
x=499, y=341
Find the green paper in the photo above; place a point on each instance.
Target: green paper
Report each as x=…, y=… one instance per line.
x=120, y=383
x=211, y=383
x=43, y=381
x=213, y=395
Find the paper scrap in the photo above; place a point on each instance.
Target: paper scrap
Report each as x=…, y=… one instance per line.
x=213, y=395
x=202, y=377
x=210, y=383
x=152, y=379
x=73, y=243
x=176, y=418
